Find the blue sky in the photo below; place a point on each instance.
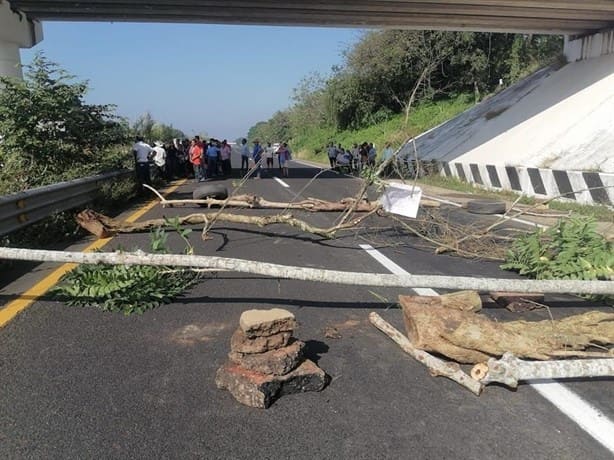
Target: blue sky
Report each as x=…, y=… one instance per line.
x=199, y=78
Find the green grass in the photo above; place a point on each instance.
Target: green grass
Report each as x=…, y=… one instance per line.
x=311, y=145
x=599, y=212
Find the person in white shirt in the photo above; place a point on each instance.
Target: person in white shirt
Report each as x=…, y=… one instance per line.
x=159, y=158
x=269, y=151
x=142, y=154
x=245, y=155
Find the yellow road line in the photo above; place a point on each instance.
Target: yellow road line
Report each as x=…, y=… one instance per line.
x=16, y=306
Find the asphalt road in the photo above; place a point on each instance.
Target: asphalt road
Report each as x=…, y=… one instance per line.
x=80, y=383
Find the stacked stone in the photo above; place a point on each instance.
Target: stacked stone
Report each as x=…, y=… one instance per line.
x=266, y=362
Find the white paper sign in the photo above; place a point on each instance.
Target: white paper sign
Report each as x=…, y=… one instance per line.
x=402, y=199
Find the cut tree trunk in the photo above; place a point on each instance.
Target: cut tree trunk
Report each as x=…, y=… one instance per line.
x=468, y=337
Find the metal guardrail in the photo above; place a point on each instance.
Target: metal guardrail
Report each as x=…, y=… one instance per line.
x=25, y=208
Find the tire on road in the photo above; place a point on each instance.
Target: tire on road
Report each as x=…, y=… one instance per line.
x=217, y=191
x=486, y=206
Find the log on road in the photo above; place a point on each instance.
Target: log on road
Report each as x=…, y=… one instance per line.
x=468, y=337
x=279, y=271
x=509, y=370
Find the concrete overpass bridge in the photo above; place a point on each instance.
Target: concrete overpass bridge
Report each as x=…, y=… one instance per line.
x=20, y=20
x=567, y=121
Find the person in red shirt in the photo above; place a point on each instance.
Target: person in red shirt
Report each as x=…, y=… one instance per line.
x=196, y=158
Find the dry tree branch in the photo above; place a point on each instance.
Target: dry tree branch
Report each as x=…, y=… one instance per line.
x=104, y=226
x=436, y=366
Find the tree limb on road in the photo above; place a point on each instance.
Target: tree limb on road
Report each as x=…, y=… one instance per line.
x=103, y=226
x=436, y=366
x=509, y=370
x=257, y=202
x=313, y=274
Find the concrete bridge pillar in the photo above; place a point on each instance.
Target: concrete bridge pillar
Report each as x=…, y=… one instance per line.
x=589, y=46
x=16, y=31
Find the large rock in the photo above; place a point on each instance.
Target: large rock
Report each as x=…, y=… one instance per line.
x=277, y=362
x=260, y=390
x=241, y=343
x=263, y=323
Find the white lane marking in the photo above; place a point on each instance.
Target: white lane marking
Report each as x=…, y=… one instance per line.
x=588, y=417
x=394, y=268
x=281, y=182
x=515, y=219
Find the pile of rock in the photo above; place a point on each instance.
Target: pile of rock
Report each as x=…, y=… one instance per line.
x=266, y=362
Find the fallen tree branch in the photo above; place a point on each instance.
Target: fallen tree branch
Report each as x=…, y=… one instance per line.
x=256, y=202
x=509, y=370
x=103, y=226
x=436, y=366
x=312, y=274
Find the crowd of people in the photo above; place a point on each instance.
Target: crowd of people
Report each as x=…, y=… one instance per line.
x=357, y=157
x=204, y=160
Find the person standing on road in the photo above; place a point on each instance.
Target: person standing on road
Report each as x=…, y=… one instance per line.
x=371, y=155
x=159, y=159
x=142, y=154
x=355, y=157
x=283, y=153
x=387, y=154
x=225, y=153
x=195, y=155
x=213, y=153
x=332, y=154
x=269, y=151
x=245, y=154
x=257, y=157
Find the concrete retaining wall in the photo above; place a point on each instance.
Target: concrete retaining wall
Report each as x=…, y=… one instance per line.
x=581, y=186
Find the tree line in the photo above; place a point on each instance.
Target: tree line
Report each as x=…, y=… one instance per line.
x=388, y=72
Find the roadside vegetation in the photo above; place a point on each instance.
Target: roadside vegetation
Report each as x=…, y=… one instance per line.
x=49, y=134
x=393, y=84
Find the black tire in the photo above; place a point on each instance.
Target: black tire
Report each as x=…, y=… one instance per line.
x=217, y=191
x=486, y=206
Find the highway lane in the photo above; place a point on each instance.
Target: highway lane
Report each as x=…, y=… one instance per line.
x=81, y=383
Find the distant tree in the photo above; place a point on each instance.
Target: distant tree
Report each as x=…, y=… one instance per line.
x=390, y=71
x=143, y=126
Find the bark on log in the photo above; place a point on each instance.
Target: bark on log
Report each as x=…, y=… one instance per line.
x=279, y=271
x=436, y=366
x=461, y=300
x=472, y=338
x=509, y=370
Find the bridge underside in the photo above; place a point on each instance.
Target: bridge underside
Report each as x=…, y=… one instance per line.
x=570, y=17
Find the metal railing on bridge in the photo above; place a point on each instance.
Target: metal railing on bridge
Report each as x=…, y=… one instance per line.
x=21, y=209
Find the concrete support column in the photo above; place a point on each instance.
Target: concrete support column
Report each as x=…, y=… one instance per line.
x=16, y=31
x=589, y=46
x=10, y=60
